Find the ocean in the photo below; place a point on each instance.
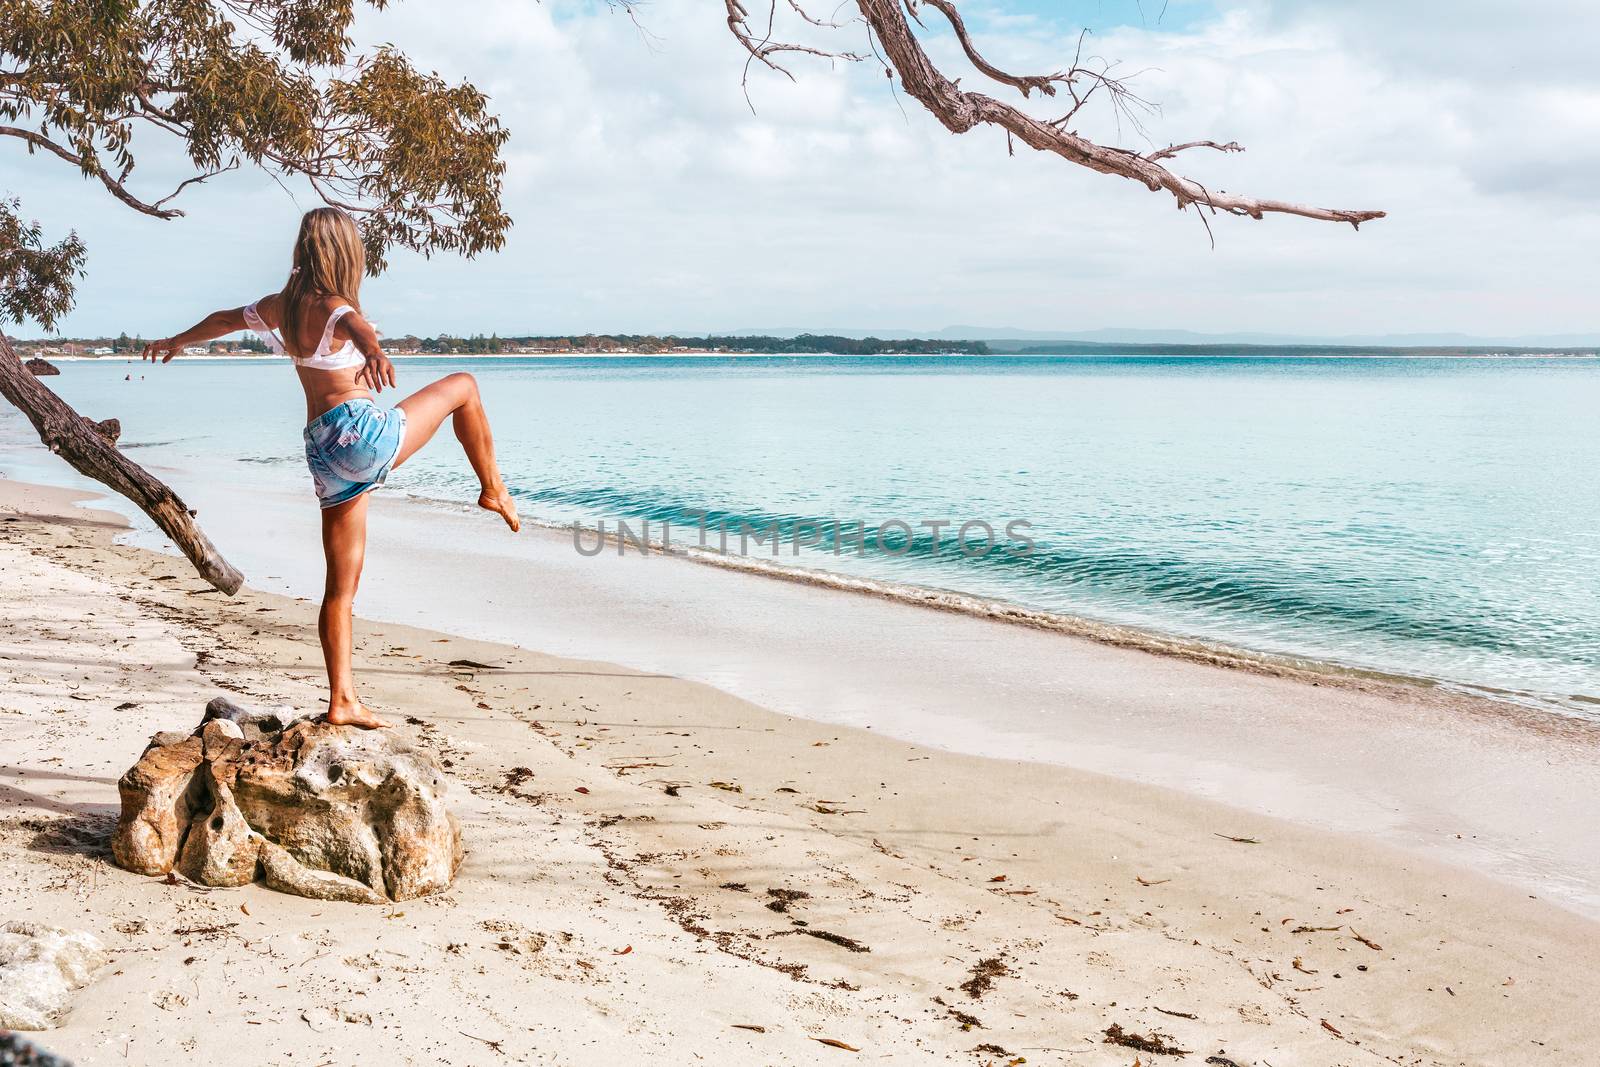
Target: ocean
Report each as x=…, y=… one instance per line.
x=1432, y=518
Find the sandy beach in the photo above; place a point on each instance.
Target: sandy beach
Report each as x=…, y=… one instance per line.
x=658, y=869
x=1089, y=634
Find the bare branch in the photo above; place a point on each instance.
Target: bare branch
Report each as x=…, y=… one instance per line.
x=762, y=49
x=889, y=22
x=823, y=23
x=960, y=111
x=196, y=180
x=1023, y=83
x=1172, y=150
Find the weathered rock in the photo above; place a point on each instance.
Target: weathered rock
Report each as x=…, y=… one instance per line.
x=156, y=806
x=40, y=966
x=41, y=368
x=319, y=810
x=253, y=722
x=283, y=872
x=221, y=849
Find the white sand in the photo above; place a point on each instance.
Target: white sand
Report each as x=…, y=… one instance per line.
x=622, y=924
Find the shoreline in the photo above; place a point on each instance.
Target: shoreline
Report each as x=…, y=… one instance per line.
x=1364, y=756
x=1100, y=901
x=1531, y=708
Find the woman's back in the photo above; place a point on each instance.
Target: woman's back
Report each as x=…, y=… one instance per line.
x=322, y=345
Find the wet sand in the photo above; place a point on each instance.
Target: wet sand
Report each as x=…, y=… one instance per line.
x=660, y=869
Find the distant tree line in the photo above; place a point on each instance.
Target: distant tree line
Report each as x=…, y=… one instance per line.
x=644, y=344
x=123, y=345
x=649, y=344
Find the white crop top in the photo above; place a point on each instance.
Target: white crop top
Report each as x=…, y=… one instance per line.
x=322, y=358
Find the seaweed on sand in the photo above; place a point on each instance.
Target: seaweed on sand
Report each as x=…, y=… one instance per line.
x=984, y=972
x=1161, y=1044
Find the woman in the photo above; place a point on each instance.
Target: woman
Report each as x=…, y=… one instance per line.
x=351, y=443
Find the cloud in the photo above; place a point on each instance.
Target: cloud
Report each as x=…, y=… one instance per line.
x=649, y=196
x=1487, y=42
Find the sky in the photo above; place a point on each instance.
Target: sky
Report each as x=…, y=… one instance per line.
x=650, y=196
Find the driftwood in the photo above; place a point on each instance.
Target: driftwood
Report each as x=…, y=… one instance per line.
x=90, y=447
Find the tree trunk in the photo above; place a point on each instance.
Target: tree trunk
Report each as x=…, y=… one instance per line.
x=83, y=443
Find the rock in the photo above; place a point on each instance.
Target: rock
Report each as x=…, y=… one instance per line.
x=318, y=810
x=14, y=1050
x=156, y=806
x=283, y=872
x=41, y=368
x=220, y=849
x=217, y=733
x=253, y=722
x=40, y=966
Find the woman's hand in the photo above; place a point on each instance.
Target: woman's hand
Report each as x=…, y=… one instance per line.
x=165, y=349
x=376, y=372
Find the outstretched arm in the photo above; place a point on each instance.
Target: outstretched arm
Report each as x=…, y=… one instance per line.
x=215, y=325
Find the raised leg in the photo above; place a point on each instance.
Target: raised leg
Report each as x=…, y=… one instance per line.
x=455, y=396
x=344, y=543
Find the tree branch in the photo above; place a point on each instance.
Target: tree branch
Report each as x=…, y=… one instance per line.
x=84, y=444
x=92, y=167
x=196, y=180
x=762, y=49
x=960, y=111
x=809, y=17
x=1172, y=150
x=1023, y=83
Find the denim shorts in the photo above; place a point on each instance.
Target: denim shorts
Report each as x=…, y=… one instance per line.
x=350, y=449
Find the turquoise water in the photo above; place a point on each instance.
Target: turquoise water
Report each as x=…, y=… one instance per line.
x=1422, y=517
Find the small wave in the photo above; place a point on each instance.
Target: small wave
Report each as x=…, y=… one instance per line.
x=1196, y=650
x=1357, y=604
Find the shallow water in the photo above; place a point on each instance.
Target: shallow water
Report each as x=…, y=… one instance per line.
x=1423, y=517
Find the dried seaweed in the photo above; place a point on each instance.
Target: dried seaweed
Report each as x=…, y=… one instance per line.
x=782, y=898
x=842, y=941
x=984, y=972
x=1160, y=1044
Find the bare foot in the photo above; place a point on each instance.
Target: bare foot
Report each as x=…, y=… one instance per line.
x=355, y=715
x=499, y=501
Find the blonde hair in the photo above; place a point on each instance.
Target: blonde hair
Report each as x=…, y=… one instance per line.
x=329, y=260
